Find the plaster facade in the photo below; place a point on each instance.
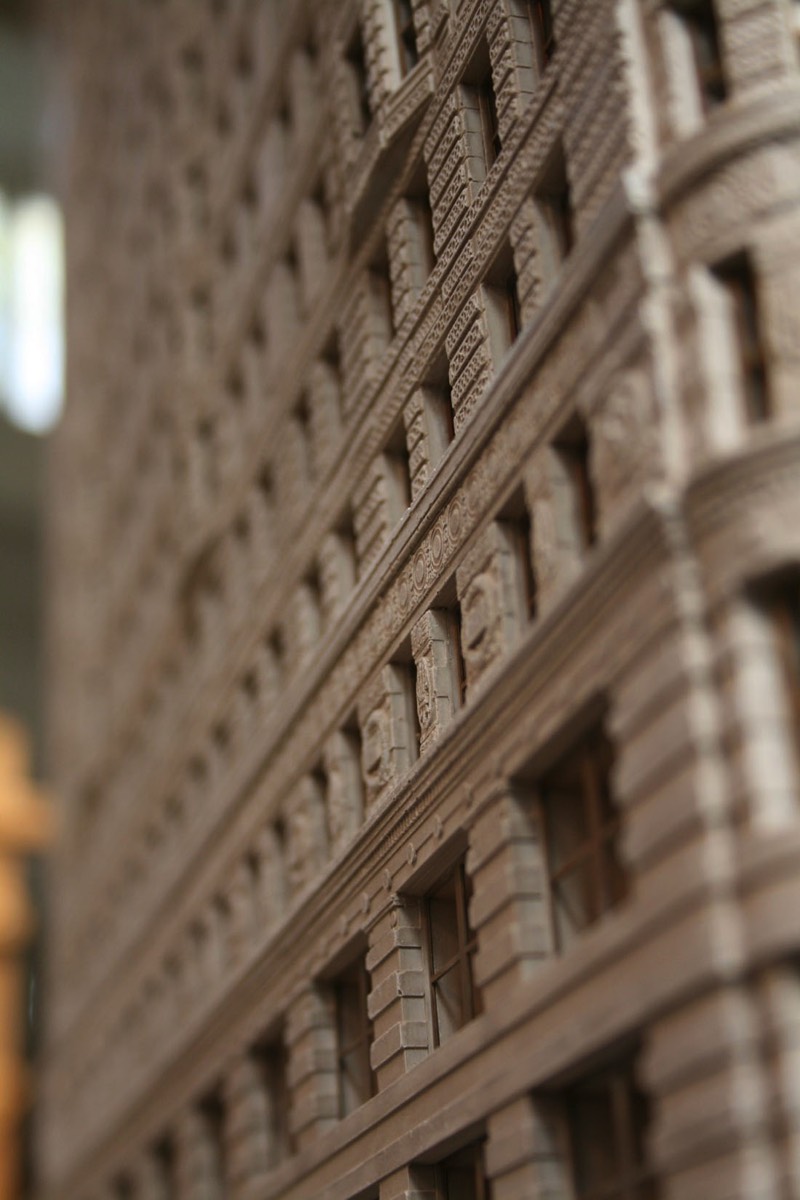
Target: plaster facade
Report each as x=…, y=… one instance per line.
x=426, y=561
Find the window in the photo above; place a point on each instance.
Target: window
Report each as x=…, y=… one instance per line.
x=165, y=1164
x=573, y=451
x=515, y=521
x=406, y=35
x=480, y=99
x=271, y=1060
x=461, y=1176
x=490, y=128
x=450, y=947
x=700, y=22
x=353, y=1038
x=786, y=623
x=212, y=1113
x=423, y=257
x=438, y=402
x=398, y=474
x=543, y=39
x=504, y=315
x=357, y=67
x=606, y=1118
x=554, y=205
x=581, y=826
x=736, y=276
x=380, y=290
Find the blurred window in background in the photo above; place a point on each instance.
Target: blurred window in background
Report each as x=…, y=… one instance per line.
x=31, y=301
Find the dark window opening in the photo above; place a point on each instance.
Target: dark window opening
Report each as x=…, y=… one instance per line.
x=606, y=1118
x=398, y=473
x=554, y=202
x=574, y=451
x=461, y=1176
x=272, y=1061
x=700, y=22
x=212, y=1111
x=737, y=277
x=406, y=35
x=357, y=63
x=581, y=831
x=540, y=16
x=516, y=521
x=785, y=613
x=450, y=948
x=357, y=1081
x=505, y=310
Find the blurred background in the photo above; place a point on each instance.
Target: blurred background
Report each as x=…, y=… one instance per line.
x=31, y=371
x=31, y=351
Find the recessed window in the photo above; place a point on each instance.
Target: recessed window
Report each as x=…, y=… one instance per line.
x=606, y=1117
x=406, y=35
x=481, y=106
x=700, y=22
x=504, y=312
x=461, y=1176
x=422, y=255
x=573, y=449
x=438, y=402
x=165, y=1164
x=353, y=1038
x=356, y=63
x=515, y=521
x=450, y=947
x=212, y=1113
x=397, y=472
x=490, y=126
x=556, y=220
x=581, y=830
x=272, y=1061
x=736, y=276
x=380, y=288
x=785, y=613
x=540, y=17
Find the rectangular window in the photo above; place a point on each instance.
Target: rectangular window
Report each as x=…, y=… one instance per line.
x=397, y=470
x=212, y=1112
x=786, y=623
x=700, y=22
x=406, y=35
x=356, y=63
x=490, y=127
x=450, y=947
x=271, y=1060
x=380, y=288
x=574, y=452
x=438, y=402
x=461, y=1176
x=543, y=39
x=606, y=1118
x=503, y=309
x=480, y=99
x=422, y=222
x=556, y=220
x=353, y=1038
x=736, y=276
x=581, y=827
x=515, y=521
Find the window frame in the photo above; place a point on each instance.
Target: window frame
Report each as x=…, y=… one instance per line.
x=629, y=1109
x=362, y=1042
x=599, y=847
x=462, y=959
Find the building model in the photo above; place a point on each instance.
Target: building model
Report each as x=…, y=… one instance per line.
x=425, y=638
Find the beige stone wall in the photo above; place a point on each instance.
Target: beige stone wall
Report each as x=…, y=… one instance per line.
x=432, y=441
